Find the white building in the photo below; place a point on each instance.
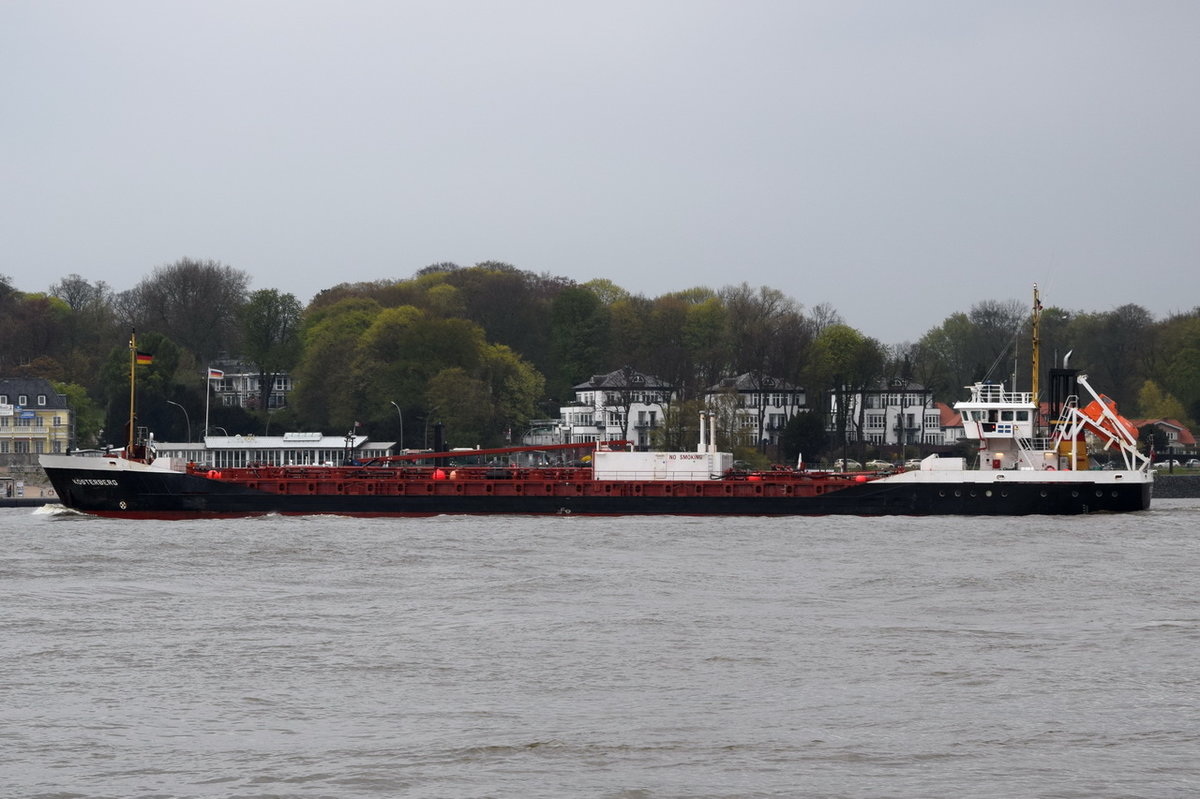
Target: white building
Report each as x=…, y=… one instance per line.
x=240, y=387
x=289, y=449
x=621, y=405
x=755, y=407
x=893, y=412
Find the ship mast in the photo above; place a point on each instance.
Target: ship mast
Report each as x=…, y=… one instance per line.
x=1036, y=340
x=132, y=379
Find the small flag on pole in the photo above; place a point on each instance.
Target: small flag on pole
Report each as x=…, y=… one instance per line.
x=144, y=358
x=215, y=374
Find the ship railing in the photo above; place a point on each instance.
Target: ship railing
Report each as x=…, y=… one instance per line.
x=996, y=394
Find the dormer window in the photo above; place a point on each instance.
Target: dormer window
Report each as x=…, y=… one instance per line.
x=42, y=400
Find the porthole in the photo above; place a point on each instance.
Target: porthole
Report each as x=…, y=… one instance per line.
x=987, y=493
x=1074, y=493
x=957, y=492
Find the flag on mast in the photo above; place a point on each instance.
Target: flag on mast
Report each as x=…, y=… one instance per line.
x=144, y=358
x=215, y=374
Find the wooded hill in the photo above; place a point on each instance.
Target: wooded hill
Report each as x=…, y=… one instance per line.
x=486, y=348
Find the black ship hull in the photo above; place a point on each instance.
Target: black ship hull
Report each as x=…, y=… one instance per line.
x=172, y=495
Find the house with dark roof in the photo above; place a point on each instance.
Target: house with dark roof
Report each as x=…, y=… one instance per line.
x=624, y=404
x=895, y=412
x=34, y=419
x=754, y=407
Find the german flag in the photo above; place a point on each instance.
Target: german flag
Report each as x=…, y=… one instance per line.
x=144, y=358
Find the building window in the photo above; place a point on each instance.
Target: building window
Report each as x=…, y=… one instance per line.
x=22, y=400
x=42, y=400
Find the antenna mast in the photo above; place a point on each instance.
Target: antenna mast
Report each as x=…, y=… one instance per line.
x=1037, y=340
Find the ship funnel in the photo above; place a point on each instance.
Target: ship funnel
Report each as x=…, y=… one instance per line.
x=1067, y=359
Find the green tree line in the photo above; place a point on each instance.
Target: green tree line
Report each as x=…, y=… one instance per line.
x=486, y=348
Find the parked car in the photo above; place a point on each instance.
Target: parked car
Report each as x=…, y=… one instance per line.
x=1193, y=463
x=912, y=463
x=880, y=466
x=846, y=465
x=1167, y=464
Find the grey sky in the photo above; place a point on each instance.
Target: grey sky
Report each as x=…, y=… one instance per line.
x=897, y=160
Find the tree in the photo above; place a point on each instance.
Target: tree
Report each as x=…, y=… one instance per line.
x=579, y=330
x=154, y=386
x=194, y=303
x=270, y=337
x=1114, y=348
x=804, y=436
x=515, y=387
x=90, y=328
x=679, y=431
x=704, y=337
x=87, y=417
x=608, y=291
x=848, y=362
x=1154, y=403
x=465, y=406
x=325, y=373
x=1179, y=340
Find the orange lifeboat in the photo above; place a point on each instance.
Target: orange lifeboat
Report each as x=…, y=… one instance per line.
x=1104, y=425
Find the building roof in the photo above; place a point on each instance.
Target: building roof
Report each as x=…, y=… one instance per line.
x=752, y=381
x=950, y=417
x=32, y=387
x=897, y=384
x=1184, y=436
x=622, y=379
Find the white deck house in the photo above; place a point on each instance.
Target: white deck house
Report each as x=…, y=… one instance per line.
x=624, y=404
x=755, y=408
x=893, y=412
x=289, y=449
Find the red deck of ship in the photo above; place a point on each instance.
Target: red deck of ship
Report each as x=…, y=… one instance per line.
x=471, y=481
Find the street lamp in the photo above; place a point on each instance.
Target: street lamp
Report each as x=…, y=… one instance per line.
x=186, y=418
x=397, y=407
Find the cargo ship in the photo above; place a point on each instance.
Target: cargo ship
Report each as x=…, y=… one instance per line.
x=1020, y=467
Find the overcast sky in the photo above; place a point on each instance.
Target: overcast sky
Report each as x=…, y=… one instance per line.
x=898, y=160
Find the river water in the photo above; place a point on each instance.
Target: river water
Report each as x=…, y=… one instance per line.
x=632, y=658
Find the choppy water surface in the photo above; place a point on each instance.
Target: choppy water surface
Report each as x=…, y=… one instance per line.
x=561, y=657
